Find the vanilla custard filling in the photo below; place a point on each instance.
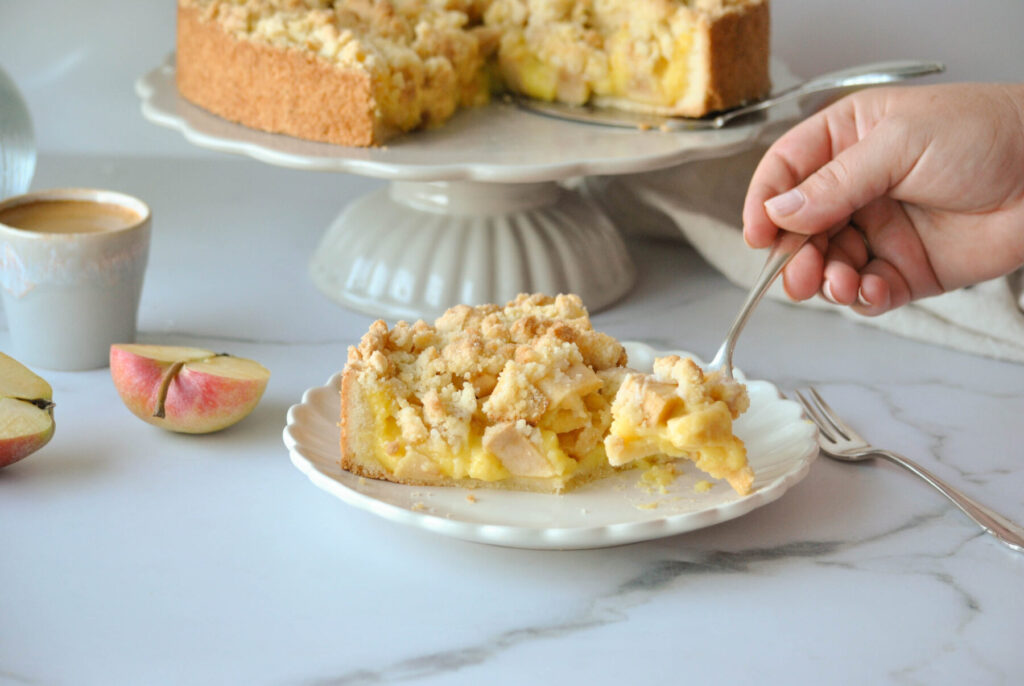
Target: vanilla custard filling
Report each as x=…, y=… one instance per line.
x=469, y=459
x=703, y=436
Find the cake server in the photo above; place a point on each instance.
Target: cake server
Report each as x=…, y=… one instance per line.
x=854, y=77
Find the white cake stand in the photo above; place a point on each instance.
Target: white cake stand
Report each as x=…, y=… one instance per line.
x=475, y=211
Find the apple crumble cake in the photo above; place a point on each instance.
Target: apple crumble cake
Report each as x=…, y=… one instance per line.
x=357, y=72
x=519, y=397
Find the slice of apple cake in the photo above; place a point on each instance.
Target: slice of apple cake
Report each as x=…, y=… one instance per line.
x=528, y=397
x=357, y=72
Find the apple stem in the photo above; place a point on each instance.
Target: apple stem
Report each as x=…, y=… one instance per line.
x=165, y=384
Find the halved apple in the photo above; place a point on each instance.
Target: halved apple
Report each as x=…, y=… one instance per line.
x=189, y=390
x=26, y=411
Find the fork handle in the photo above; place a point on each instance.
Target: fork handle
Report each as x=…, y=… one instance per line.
x=1002, y=528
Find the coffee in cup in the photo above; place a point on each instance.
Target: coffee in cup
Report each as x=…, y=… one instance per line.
x=71, y=270
x=69, y=216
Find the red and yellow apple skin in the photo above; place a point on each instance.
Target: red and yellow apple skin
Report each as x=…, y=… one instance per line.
x=15, y=449
x=26, y=411
x=37, y=421
x=188, y=390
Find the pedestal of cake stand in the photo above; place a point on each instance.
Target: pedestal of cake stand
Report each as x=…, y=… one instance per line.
x=410, y=250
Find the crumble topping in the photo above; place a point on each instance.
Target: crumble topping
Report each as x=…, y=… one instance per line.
x=531, y=390
x=535, y=365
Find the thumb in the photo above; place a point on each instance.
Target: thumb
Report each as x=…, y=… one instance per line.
x=857, y=175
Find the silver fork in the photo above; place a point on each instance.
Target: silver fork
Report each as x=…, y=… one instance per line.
x=839, y=441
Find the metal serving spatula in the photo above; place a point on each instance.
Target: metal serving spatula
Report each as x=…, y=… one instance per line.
x=854, y=77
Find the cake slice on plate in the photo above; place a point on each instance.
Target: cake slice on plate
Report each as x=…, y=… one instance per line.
x=526, y=397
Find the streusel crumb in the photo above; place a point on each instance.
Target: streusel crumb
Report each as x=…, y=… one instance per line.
x=534, y=364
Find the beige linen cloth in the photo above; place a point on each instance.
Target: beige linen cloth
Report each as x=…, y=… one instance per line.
x=703, y=201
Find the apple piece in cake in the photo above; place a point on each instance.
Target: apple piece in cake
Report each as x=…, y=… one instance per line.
x=512, y=397
x=679, y=411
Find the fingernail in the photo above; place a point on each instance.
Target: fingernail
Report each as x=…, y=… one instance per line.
x=861, y=299
x=826, y=290
x=785, y=204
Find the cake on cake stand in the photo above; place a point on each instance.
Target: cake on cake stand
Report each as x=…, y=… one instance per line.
x=477, y=210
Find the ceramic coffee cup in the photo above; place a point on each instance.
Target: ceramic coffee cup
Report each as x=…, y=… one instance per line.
x=71, y=269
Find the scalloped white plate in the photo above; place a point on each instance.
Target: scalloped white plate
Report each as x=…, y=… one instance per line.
x=780, y=447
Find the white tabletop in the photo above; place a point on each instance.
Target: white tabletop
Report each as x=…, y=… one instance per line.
x=133, y=556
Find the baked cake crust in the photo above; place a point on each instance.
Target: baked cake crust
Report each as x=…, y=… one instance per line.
x=273, y=89
x=737, y=62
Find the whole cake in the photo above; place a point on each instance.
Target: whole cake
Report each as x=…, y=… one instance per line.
x=527, y=396
x=358, y=72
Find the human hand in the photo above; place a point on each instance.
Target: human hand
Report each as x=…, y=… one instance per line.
x=907, y=193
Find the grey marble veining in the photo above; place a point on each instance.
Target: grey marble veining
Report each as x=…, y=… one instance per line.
x=663, y=575
x=232, y=569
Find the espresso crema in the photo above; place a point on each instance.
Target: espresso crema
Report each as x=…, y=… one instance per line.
x=69, y=216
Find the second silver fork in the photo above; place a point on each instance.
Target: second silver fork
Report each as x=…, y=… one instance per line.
x=838, y=440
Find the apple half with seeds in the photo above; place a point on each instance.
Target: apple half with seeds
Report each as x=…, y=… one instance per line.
x=26, y=411
x=189, y=390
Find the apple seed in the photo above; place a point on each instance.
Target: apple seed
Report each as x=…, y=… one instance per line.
x=42, y=404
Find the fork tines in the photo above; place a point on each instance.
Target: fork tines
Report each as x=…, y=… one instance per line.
x=822, y=414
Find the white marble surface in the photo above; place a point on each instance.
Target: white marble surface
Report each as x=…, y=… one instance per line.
x=133, y=556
